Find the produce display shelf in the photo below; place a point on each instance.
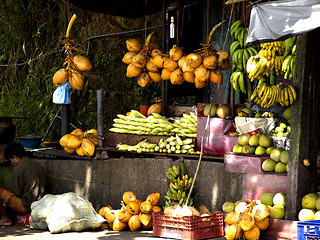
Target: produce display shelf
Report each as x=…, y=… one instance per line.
x=308, y=230
x=188, y=228
x=110, y=152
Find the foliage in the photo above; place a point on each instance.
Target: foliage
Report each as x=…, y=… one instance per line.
x=31, y=34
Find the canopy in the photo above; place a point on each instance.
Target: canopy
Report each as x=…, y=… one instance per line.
x=279, y=20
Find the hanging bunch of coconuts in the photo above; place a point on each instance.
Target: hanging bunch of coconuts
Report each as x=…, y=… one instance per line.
x=149, y=64
x=139, y=60
x=75, y=65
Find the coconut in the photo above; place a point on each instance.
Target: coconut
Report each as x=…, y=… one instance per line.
x=127, y=58
x=194, y=60
x=158, y=60
x=176, y=53
x=202, y=73
x=216, y=76
x=63, y=140
x=261, y=212
x=82, y=63
x=263, y=224
x=128, y=196
x=233, y=231
x=69, y=150
x=133, y=207
x=118, y=225
x=76, y=80
x=134, y=223
x=156, y=52
x=153, y=198
x=232, y=218
x=80, y=151
x=151, y=67
x=155, y=76
x=246, y=221
x=145, y=218
x=210, y=62
x=186, y=67
x=252, y=234
x=143, y=79
x=165, y=74
x=170, y=64
x=146, y=207
x=176, y=77
x=73, y=141
x=111, y=215
x=200, y=83
x=223, y=60
x=133, y=71
x=154, y=108
x=124, y=215
x=133, y=45
x=60, y=77
x=139, y=60
x=188, y=77
x=156, y=209
x=181, y=61
x=88, y=147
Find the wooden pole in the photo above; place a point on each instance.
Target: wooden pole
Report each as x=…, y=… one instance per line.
x=304, y=125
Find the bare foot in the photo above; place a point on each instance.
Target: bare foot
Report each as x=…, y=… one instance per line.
x=4, y=218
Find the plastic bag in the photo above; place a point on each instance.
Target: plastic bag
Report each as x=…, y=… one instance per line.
x=61, y=94
x=65, y=212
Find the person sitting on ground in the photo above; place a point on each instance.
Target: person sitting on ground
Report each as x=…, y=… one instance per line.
x=28, y=183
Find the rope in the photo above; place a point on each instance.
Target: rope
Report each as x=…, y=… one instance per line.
x=88, y=39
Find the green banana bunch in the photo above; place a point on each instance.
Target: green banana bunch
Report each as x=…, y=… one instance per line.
x=288, y=66
x=289, y=45
x=179, y=185
x=238, y=81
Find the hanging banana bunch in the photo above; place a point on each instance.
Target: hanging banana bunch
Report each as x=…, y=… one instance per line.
x=288, y=66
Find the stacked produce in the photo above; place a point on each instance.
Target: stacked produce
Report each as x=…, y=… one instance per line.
x=240, y=55
x=179, y=186
x=258, y=144
x=134, y=213
x=288, y=65
x=281, y=130
x=247, y=221
x=266, y=95
x=82, y=143
x=278, y=161
x=276, y=203
x=169, y=145
x=310, y=207
x=222, y=111
x=75, y=65
x=155, y=124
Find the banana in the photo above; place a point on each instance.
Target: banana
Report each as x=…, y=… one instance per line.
x=169, y=176
x=252, y=51
x=234, y=46
x=235, y=26
x=235, y=83
x=255, y=69
x=245, y=35
x=290, y=94
x=249, y=64
x=171, y=171
x=241, y=83
x=241, y=36
x=240, y=59
x=238, y=32
x=171, y=184
x=293, y=92
x=235, y=58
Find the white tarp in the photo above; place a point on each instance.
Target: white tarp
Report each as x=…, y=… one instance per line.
x=278, y=20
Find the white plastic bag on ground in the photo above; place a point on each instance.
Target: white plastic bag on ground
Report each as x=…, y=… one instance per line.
x=65, y=212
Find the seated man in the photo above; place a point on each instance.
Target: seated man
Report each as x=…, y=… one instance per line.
x=28, y=183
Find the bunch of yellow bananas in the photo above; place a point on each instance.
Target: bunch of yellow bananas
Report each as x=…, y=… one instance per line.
x=256, y=67
x=273, y=52
x=265, y=95
x=287, y=95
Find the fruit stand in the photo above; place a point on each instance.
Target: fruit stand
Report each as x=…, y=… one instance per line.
x=257, y=153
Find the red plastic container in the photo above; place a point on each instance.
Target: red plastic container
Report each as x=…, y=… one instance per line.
x=188, y=228
x=21, y=219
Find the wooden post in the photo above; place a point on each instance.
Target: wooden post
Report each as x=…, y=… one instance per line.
x=304, y=125
x=100, y=116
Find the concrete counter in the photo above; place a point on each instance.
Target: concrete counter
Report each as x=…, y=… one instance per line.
x=104, y=181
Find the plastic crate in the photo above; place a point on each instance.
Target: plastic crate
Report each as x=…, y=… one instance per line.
x=21, y=219
x=188, y=228
x=308, y=230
